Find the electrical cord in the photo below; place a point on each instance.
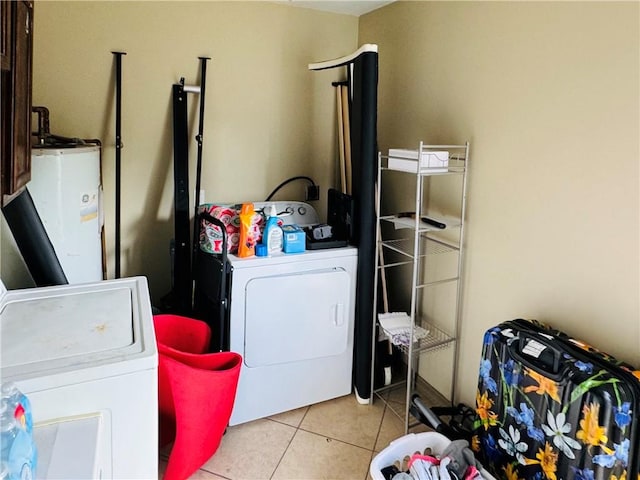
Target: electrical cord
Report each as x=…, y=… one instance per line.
x=289, y=180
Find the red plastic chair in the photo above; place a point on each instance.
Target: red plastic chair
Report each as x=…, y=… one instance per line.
x=196, y=392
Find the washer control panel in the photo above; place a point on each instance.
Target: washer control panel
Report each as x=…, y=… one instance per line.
x=299, y=213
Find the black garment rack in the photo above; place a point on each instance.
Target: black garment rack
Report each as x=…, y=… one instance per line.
x=200, y=280
x=184, y=250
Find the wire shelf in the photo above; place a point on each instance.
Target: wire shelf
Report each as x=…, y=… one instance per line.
x=435, y=339
x=428, y=246
x=400, y=222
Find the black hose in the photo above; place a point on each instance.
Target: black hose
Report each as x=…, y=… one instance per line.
x=289, y=180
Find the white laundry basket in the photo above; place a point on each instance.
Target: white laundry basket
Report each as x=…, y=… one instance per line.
x=399, y=451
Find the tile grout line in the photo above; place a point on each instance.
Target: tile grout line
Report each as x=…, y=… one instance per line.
x=373, y=452
x=290, y=441
x=213, y=473
x=201, y=469
x=298, y=428
x=336, y=439
x=384, y=412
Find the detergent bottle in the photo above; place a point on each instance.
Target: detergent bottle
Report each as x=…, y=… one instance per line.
x=246, y=247
x=8, y=430
x=18, y=454
x=272, y=236
x=19, y=405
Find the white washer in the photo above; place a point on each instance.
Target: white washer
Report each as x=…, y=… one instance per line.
x=292, y=320
x=86, y=357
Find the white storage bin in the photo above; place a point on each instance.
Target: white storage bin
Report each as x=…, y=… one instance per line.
x=400, y=451
x=407, y=160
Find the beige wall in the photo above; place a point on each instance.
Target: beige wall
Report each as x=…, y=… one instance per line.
x=267, y=116
x=548, y=95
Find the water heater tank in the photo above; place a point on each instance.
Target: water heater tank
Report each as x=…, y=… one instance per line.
x=66, y=190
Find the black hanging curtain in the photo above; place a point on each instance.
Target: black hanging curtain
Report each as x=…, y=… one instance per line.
x=362, y=73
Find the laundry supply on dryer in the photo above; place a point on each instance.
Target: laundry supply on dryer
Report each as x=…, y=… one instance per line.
x=293, y=239
x=211, y=235
x=246, y=246
x=273, y=236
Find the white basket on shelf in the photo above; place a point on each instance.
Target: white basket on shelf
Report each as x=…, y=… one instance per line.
x=397, y=327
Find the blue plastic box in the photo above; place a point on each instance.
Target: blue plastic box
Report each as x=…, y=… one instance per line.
x=293, y=239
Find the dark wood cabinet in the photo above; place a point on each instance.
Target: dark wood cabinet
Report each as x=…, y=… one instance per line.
x=5, y=36
x=17, y=53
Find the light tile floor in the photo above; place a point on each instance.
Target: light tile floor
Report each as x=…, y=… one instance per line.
x=334, y=440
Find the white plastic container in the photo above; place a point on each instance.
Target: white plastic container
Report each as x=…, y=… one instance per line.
x=407, y=160
x=432, y=443
x=273, y=237
x=399, y=451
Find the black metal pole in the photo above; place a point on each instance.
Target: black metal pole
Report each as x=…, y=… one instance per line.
x=118, y=58
x=199, y=139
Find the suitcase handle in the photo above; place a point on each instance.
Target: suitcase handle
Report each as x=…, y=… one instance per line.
x=538, y=353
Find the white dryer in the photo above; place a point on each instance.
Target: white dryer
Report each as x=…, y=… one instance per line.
x=86, y=357
x=292, y=320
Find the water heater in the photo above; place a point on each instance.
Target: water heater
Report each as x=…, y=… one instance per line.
x=66, y=190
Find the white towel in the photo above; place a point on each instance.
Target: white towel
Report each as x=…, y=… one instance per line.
x=397, y=326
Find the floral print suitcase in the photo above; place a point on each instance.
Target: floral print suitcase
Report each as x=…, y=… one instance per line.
x=551, y=407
